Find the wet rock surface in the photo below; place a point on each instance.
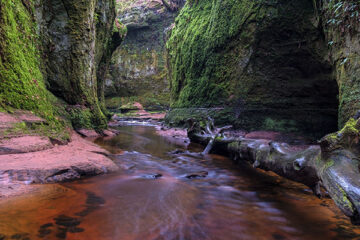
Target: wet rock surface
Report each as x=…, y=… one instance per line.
x=201, y=174
x=260, y=85
x=76, y=38
x=78, y=159
x=152, y=176
x=24, y=144
x=88, y=133
x=333, y=164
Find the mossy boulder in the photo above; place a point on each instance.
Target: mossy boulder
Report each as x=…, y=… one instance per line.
x=265, y=60
x=347, y=138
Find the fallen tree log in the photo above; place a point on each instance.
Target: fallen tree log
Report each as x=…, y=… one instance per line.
x=334, y=164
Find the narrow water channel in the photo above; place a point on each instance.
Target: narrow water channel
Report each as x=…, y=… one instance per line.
x=151, y=199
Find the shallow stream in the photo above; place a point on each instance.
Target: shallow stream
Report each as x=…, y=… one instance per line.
x=151, y=199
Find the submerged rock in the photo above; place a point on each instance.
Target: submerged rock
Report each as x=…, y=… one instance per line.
x=66, y=221
x=152, y=176
x=201, y=174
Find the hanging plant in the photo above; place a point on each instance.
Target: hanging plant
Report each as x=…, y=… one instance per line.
x=344, y=15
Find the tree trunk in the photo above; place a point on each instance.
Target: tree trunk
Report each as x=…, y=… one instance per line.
x=334, y=164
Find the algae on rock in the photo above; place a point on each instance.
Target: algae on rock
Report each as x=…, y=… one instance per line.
x=76, y=39
x=108, y=38
x=265, y=60
x=58, y=47
x=138, y=70
x=341, y=23
x=22, y=85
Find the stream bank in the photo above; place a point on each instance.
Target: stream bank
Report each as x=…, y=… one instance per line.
x=35, y=157
x=77, y=159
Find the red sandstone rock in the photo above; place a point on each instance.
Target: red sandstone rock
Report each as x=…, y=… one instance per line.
x=88, y=133
x=24, y=144
x=60, y=163
x=109, y=133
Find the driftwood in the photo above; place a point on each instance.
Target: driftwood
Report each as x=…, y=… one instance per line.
x=333, y=165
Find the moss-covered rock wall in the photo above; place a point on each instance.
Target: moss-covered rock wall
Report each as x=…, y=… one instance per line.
x=341, y=23
x=22, y=85
x=72, y=54
x=56, y=46
x=108, y=38
x=138, y=70
x=263, y=64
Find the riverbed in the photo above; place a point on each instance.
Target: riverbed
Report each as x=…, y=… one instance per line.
x=159, y=195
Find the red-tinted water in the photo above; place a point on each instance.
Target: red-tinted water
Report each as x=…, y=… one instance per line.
x=232, y=202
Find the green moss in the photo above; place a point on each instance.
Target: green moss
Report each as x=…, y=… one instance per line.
x=346, y=138
x=43, y=129
x=81, y=118
x=16, y=129
x=351, y=127
x=122, y=5
x=22, y=85
x=324, y=166
x=280, y=125
x=131, y=113
x=343, y=200
x=198, y=74
x=120, y=28
x=219, y=138
x=139, y=75
x=341, y=23
x=251, y=57
x=113, y=103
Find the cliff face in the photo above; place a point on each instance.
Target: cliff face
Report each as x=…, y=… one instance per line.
x=76, y=37
x=341, y=23
x=267, y=62
x=108, y=38
x=60, y=45
x=22, y=84
x=138, y=69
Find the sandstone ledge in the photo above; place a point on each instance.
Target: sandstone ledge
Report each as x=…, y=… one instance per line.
x=61, y=163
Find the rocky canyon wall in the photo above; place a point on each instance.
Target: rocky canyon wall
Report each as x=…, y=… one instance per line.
x=76, y=36
x=341, y=26
x=50, y=57
x=138, y=71
x=262, y=65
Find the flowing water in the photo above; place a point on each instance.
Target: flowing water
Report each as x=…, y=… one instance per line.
x=151, y=199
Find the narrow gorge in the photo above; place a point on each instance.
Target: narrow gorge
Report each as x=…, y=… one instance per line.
x=211, y=119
